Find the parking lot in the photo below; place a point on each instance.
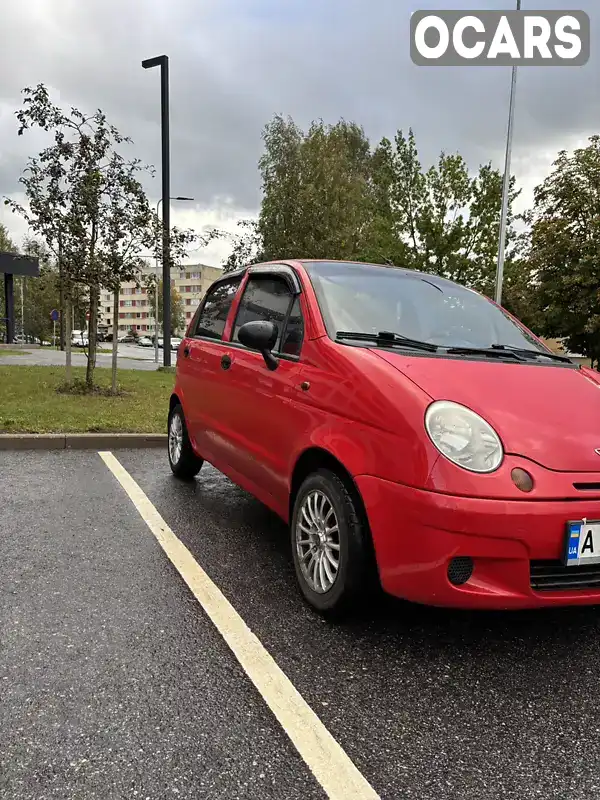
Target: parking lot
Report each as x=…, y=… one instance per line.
x=115, y=682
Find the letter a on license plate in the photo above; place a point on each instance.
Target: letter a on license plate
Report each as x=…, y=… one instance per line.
x=582, y=543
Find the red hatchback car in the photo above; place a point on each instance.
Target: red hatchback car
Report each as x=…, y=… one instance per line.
x=412, y=432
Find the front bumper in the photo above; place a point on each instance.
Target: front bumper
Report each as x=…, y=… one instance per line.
x=416, y=533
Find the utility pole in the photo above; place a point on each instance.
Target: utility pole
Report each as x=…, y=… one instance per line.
x=506, y=183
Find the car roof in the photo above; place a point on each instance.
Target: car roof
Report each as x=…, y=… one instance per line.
x=431, y=277
x=295, y=262
x=402, y=270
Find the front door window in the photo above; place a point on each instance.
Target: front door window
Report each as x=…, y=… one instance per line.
x=268, y=298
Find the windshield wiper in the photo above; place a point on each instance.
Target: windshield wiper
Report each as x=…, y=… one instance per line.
x=390, y=339
x=504, y=351
x=527, y=353
x=387, y=338
x=484, y=351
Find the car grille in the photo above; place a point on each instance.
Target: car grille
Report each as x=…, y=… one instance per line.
x=553, y=576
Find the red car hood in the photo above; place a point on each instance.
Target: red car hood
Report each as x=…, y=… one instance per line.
x=548, y=414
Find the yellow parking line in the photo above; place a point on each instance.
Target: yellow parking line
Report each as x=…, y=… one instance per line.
x=326, y=759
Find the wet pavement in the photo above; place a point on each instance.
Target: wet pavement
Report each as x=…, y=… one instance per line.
x=114, y=683
x=131, y=356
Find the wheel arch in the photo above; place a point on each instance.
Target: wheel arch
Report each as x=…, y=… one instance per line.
x=174, y=400
x=315, y=458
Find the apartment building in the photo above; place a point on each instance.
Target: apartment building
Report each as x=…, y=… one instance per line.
x=136, y=311
x=191, y=284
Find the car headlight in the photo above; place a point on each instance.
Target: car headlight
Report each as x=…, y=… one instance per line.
x=463, y=437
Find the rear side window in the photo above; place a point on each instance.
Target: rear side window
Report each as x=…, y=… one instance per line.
x=264, y=298
x=213, y=316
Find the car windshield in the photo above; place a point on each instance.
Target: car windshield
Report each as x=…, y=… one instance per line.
x=365, y=298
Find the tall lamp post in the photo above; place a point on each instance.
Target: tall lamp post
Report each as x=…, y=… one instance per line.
x=506, y=183
x=163, y=63
x=179, y=197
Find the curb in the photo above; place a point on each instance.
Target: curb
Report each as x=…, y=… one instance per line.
x=81, y=441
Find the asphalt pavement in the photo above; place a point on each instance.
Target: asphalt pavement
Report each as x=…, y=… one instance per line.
x=131, y=356
x=115, y=683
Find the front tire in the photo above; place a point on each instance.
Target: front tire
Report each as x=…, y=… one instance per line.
x=184, y=462
x=330, y=545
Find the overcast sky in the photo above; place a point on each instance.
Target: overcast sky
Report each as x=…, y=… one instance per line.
x=235, y=63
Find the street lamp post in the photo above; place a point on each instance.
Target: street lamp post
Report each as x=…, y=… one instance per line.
x=506, y=183
x=179, y=197
x=163, y=63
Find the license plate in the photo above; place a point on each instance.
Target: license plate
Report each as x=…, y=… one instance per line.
x=583, y=543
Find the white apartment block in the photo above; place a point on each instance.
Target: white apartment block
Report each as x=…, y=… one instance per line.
x=136, y=311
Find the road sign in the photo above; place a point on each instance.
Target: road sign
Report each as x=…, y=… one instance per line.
x=54, y=315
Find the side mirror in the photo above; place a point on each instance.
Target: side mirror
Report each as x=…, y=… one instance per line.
x=262, y=336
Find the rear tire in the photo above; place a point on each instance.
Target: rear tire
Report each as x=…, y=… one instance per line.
x=184, y=462
x=330, y=546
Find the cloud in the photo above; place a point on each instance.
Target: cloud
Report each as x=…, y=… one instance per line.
x=234, y=63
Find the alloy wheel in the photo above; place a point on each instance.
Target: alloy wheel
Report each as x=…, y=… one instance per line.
x=175, y=438
x=318, y=541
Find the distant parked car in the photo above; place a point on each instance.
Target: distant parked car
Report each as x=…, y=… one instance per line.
x=129, y=339
x=175, y=342
x=145, y=341
x=79, y=339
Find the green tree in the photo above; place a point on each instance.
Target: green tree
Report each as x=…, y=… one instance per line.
x=86, y=203
x=279, y=167
x=317, y=195
x=177, y=308
x=316, y=190
x=564, y=249
x=445, y=220
x=40, y=295
x=247, y=247
x=328, y=194
x=6, y=243
x=129, y=228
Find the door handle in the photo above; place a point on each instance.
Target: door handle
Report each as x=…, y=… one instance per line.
x=226, y=362
x=186, y=352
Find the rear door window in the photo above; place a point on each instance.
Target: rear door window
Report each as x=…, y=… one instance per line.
x=215, y=309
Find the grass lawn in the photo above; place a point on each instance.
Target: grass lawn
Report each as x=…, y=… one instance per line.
x=5, y=351
x=29, y=402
